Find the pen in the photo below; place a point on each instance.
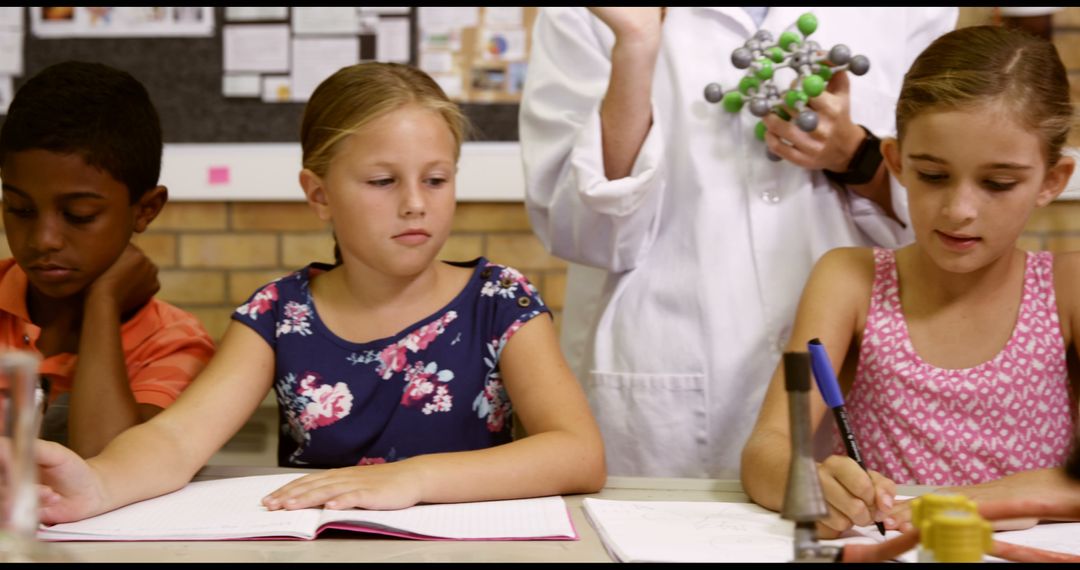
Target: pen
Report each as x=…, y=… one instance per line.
x=830, y=391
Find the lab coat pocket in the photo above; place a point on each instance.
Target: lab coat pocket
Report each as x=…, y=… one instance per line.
x=653, y=424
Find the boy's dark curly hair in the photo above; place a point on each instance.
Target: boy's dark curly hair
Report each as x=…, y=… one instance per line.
x=98, y=112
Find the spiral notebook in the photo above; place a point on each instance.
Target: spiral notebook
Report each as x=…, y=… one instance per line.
x=225, y=509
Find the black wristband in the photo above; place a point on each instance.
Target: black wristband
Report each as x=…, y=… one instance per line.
x=864, y=163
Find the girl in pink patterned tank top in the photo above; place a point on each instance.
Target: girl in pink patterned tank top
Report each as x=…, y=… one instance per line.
x=951, y=351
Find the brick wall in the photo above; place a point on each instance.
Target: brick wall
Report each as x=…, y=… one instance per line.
x=1067, y=40
x=213, y=255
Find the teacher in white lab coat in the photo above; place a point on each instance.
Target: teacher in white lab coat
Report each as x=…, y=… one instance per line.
x=688, y=246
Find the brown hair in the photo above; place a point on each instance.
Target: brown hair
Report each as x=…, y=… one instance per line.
x=984, y=64
x=358, y=94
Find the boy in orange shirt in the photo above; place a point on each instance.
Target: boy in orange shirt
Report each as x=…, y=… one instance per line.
x=80, y=156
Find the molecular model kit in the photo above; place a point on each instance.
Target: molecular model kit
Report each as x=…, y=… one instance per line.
x=762, y=56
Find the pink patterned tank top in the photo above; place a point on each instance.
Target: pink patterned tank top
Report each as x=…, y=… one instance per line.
x=922, y=425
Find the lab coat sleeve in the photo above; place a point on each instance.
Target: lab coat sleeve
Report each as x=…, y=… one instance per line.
x=574, y=209
x=925, y=24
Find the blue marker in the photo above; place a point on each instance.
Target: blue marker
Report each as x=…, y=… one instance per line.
x=830, y=391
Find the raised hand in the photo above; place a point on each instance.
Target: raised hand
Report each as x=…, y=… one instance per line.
x=631, y=23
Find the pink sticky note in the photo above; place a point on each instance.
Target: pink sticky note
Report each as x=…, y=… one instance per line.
x=218, y=174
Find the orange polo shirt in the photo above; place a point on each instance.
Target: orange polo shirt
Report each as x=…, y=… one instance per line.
x=164, y=347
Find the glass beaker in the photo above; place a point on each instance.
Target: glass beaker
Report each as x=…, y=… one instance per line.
x=21, y=405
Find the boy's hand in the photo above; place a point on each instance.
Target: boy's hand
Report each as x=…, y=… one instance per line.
x=854, y=497
x=386, y=486
x=128, y=284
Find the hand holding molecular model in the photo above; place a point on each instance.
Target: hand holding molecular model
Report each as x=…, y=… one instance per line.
x=761, y=57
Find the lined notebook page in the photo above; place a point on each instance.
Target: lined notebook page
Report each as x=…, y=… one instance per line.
x=231, y=508
x=222, y=508
x=672, y=531
x=1059, y=537
x=544, y=517
x=684, y=531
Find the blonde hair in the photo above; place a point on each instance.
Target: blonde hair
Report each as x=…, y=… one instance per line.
x=358, y=94
x=989, y=64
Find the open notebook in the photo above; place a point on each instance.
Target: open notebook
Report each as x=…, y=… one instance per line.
x=674, y=531
x=230, y=509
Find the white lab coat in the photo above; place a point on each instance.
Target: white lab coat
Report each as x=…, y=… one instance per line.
x=686, y=274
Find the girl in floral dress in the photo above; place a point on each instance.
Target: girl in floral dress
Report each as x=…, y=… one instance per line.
x=394, y=369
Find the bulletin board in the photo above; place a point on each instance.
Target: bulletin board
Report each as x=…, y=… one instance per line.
x=488, y=51
x=184, y=76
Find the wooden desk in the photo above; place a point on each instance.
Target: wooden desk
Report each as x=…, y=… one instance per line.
x=359, y=547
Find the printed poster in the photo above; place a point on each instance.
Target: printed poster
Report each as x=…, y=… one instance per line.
x=121, y=21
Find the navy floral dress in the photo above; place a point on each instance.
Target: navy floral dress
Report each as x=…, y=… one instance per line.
x=431, y=388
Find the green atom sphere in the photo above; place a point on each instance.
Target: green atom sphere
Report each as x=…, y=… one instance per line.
x=765, y=70
x=789, y=39
x=733, y=101
x=813, y=85
x=793, y=96
x=807, y=24
x=763, y=90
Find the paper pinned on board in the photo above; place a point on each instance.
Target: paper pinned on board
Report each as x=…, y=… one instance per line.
x=392, y=40
x=256, y=47
x=315, y=59
x=11, y=18
x=321, y=20
x=255, y=13
x=7, y=92
x=11, y=53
